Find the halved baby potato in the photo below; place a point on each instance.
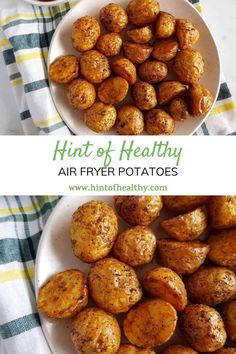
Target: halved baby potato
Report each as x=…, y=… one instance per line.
x=223, y=247
x=165, y=25
x=64, y=69
x=186, y=33
x=126, y=69
x=222, y=211
x=140, y=35
x=142, y=12
x=226, y=350
x=131, y=349
x=137, y=53
x=181, y=204
x=113, y=90
x=165, y=49
x=168, y=90
x=85, y=33
x=229, y=317
x=178, y=349
x=200, y=100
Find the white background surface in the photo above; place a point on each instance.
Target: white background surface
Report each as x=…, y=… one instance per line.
x=221, y=18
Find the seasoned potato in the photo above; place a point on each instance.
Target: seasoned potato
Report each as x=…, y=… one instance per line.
x=131, y=349
x=138, y=210
x=150, y=323
x=186, y=227
x=211, y=285
x=201, y=100
x=135, y=52
x=186, y=33
x=142, y=12
x=153, y=71
x=178, y=349
x=203, y=328
x=113, y=90
x=222, y=211
x=165, y=284
x=113, y=17
x=159, y=122
x=165, y=25
x=226, y=351
x=113, y=285
x=94, y=66
x=95, y=331
x=165, y=49
x=64, y=69
x=129, y=120
x=109, y=44
x=100, y=117
x=189, y=66
x=178, y=109
x=223, y=247
x=168, y=90
x=182, y=257
x=229, y=316
x=126, y=69
x=144, y=95
x=140, y=35
x=93, y=230
x=135, y=246
x=81, y=94
x=180, y=204
x=85, y=33
x=64, y=294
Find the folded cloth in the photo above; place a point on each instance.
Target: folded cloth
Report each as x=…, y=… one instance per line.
x=24, y=40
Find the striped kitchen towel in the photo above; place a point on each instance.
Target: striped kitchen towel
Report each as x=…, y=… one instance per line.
x=25, y=37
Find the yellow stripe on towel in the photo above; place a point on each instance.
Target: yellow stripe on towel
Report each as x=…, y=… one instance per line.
x=224, y=107
x=45, y=122
x=30, y=56
x=17, y=274
x=28, y=208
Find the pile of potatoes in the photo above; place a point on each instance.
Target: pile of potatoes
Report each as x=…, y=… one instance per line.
x=153, y=279
x=141, y=46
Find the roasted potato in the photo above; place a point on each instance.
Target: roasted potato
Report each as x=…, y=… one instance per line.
x=178, y=349
x=64, y=69
x=222, y=211
x=93, y=230
x=165, y=25
x=201, y=100
x=140, y=35
x=85, y=33
x=95, y=331
x=94, y=66
x=178, y=109
x=135, y=246
x=203, y=328
x=229, y=317
x=182, y=257
x=126, y=69
x=142, y=12
x=129, y=120
x=113, y=90
x=223, y=247
x=153, y=71
x=168, y=90
x=165, y=284
x=113, y=17
x=144, y=95
x=81, y=94
x=63, y=295
x=109, y=44
x=189, y=66
x=100, y=117
x=211, y=285
x=138, y=210
x=150, y=323
x=186, y=227
x=135, y=52
x=186, y=33
x=131, y=349
x=159, y=122
x=226, y=351
x=165, y=49
x=181, y=204
x=113, y=285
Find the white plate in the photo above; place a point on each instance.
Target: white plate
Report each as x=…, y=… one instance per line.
x=61, y=45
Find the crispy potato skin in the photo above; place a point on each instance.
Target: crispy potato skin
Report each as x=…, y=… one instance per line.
x=113, y=285
x=153, y=71
x=135, y=246
x=203, y=328
x=165, y=25
x=226, y=351
x=223, y=247
x=137, y=53
x=229, y=317
x=100, y=117
x=131, y=349
x=168, y=90
x=182, y=257
x=165, y=49
x=211, y=285
x=95, y=331
x=85, y=33
x=142, y=12
x=113, y=90
x=178, y=349
x=64, y=69
x=64, y=294
x=81, y=94
x=189, y=66
x=167, y=285
x=93, y=230
x=181, y=204
x=140, y=35
x=138, y=210
x=109, y=44
x=129, y=120
x=186, y=227
x=186, y=33
x=178, y=109
x=201, y=100
x=150, y=323
x=144, y=95
x=159, y=122
x=113, y=17
x=222, y=211
x=94, y=66
x=126, y=69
